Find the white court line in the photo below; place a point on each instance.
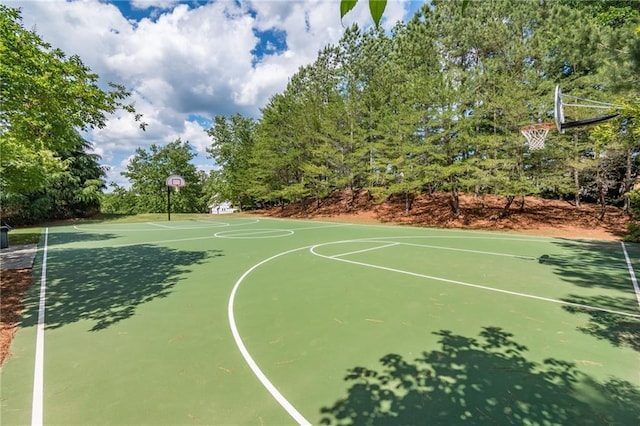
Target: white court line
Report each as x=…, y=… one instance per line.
x=219, y=224
x=299, y=418
x=249, y=234
x=482, y=287
x=160, y=225
x=471, y=251
x=323, y=226
x=37, y=409
x=632, y=274
x=364, y=250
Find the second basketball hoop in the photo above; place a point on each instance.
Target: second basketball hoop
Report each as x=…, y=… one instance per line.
x=536, y=134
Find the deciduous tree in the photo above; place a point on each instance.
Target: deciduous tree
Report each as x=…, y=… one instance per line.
x=46, y=97
x=148, y=171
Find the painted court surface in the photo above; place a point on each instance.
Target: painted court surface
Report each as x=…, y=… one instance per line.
x=256, y=321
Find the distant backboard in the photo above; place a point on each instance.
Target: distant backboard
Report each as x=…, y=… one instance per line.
x=176, y=181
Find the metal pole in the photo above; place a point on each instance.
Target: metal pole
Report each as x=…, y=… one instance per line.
x=168, y=203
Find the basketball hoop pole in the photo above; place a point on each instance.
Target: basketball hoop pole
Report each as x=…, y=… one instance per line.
x=175, y=181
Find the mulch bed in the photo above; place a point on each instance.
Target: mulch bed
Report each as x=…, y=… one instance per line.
x=13, y=285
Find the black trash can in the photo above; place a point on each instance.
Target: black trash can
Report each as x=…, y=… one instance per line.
x=4, y=236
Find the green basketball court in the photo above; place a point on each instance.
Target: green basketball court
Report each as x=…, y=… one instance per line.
x=258, y=321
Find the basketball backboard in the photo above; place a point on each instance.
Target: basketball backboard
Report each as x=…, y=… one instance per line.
x=558, y=111
x=176, y=181
x=575, y=104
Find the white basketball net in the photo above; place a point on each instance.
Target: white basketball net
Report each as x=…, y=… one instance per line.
x=536, y=134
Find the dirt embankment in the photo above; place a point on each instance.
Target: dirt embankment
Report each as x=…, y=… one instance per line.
x=536, y=216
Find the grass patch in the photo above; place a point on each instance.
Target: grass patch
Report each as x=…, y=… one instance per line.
x=20, y=236
x=139, y=218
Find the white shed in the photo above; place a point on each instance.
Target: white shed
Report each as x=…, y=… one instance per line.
x=222, y=208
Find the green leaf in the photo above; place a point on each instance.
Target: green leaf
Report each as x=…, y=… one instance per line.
x=377, y=9
x=346, y=6
x=465, y=3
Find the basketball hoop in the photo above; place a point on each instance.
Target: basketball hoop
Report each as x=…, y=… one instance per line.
x=536, y=134
x=176, y=182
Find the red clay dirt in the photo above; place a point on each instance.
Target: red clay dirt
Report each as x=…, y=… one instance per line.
x=537, y=217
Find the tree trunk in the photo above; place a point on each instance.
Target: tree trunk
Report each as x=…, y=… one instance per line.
x=505, y=210
x=454, y=202
x=576, y=182
x=628, y=180
x=408, y=202
x=601, y=195
x=522, y=204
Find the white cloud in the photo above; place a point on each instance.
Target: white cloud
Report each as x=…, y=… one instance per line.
x=195, y=134
x=146, y=4
x=114, y=170
x=188, y=60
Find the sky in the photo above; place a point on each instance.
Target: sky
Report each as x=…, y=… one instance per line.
x=185, y=62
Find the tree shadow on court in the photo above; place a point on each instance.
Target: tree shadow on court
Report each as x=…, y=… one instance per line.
x=485, y=380
x=106, y=285
x=619, y=330
x=600, y=264
x=590, y=264
x=61, y=238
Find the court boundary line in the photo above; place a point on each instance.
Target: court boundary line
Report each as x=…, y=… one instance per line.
x=37, y=408
x=632, y=273
x=466, y=284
